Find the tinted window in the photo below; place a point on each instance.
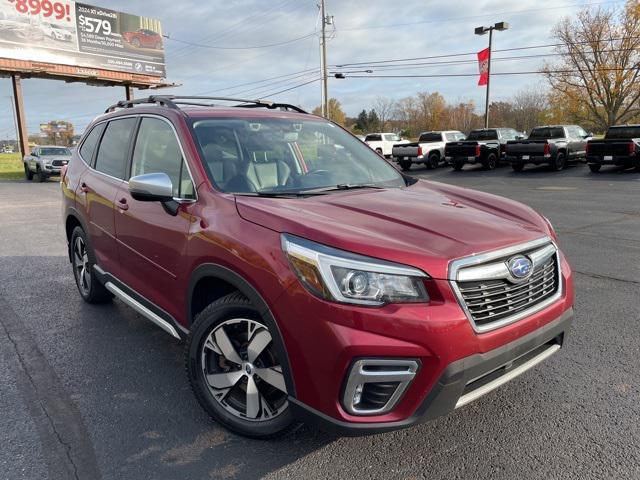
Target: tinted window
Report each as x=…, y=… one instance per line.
x=430, y=137
x=373, y=138
x=623, y=132
x=157, y=151
x=112, y=153
x=90, y=142
x=483, y=135
x=547, y=132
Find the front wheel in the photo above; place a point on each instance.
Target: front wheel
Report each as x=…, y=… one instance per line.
x=559, y=162
x=595, y=167
x=234, y=370
x=42, y=176
x=491, y=162
x=28, y=174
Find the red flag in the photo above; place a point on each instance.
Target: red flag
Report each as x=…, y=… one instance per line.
x=483, y=66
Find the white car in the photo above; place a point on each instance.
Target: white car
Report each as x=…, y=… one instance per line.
x=383, y=142
x=429, y=149
x=56, y=32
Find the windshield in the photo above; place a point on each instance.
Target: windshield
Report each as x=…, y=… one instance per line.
x=555, y=132
x=430, y=137
x=55, y=151
x=483, y=135
x=278, y=155
x=622, y=133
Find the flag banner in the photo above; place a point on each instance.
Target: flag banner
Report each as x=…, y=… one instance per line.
x=483, y=66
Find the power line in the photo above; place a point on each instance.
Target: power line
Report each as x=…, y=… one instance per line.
x=280, y=83
x=258, y=81
x=253, y=47
x=272, y=94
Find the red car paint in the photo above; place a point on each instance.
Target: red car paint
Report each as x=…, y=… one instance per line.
x=143, y=38
x=426, y=226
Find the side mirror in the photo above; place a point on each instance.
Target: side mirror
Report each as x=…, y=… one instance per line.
x=589, y=135
x=151, y=187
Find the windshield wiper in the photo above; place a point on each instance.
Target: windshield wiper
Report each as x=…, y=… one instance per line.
x=284, y=194
x=344, y=186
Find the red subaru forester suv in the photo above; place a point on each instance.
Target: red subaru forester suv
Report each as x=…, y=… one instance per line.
x=310, y=280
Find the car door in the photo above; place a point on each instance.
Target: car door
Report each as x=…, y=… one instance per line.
x=99, y=185
x=578, y=141
x=152, y=242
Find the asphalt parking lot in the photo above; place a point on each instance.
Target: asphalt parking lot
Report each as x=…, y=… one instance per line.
x=92, y=392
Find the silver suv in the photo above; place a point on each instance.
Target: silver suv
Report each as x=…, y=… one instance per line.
x=45, y=161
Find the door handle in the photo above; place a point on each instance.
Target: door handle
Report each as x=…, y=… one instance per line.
x=122, y=204
x=84, y=188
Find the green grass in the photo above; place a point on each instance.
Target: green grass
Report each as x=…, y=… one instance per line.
x=11, y=166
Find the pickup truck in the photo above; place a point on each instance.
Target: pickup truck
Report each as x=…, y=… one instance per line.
x=485, y=146
x=45, y=161
x=429, y=149
x=383, y=142
x=621, y=146
x=555, y=145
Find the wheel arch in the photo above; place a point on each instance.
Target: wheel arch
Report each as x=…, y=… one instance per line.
x=72, y=220
x=225, y=281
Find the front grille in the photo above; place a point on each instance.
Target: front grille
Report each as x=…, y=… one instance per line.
x=58, y=163
x=496, y=300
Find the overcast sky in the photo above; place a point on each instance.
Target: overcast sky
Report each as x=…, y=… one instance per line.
x=365, y=31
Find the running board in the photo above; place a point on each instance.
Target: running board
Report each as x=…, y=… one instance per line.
x=141, y=309
x=507, y=377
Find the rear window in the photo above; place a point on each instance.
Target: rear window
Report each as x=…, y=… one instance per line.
x=483, y=135
x=430, y=137
x=113, y=150
x=623, y=133
x=90, y=143
x=547, y=132
x=373, y=138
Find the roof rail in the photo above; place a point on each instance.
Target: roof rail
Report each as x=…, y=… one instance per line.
x=174, y=102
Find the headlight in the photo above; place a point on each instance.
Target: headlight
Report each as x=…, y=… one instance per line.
x=349, y=278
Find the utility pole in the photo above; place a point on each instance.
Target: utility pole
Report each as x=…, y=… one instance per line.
x=500, y=26
x=324, y=96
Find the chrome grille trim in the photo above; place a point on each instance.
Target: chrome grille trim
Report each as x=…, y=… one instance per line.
x=541, y=289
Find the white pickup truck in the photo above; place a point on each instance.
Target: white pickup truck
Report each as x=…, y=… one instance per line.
x=429, y=149
x=383, y=142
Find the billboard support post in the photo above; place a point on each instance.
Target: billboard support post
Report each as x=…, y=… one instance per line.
x=128, y=89
x=23, y=136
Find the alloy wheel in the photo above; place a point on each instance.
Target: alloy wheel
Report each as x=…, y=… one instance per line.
x=81, y=266
x=242, y=372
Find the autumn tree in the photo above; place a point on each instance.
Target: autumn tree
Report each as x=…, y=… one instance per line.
x=384, y=106
x=335, y=112
x=598, y=65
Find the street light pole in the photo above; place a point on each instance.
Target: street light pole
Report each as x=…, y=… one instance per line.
x=324, y=101
x=500, y=26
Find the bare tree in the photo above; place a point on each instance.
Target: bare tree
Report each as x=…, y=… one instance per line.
x=384, y=107
x=599, y=63
x=529, y=107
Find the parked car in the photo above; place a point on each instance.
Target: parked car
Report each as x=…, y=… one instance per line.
x=555, y=145
x=485, y=146
x=429, y=149
x=143, y=38
x=309, y=279
x=45, y=161
x=56, y=32
x=383, y=142
x=620, y=146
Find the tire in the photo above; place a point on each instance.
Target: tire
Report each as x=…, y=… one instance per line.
x=135, y=42
x=28, y=174
x=224, y=330
x=42, y=176
x=490, y=162
x=433, y=161
x=405, y=166
x=517, y=167
x=457, y=166
x=558, y=163
x=82, y=261
x=379, y=151
x=595, y=167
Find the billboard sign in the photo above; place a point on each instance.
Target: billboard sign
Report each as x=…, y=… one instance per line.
x=70, y=33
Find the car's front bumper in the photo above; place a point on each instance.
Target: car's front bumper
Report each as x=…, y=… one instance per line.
x=462, y=381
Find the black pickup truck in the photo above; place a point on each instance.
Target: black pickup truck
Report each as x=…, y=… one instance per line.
x=554, y=145
x=485, y=146
x=621, y=146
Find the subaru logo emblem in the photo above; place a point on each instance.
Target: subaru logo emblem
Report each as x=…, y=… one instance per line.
x=520, y=267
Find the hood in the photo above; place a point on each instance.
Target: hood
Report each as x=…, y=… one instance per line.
x=425, y=225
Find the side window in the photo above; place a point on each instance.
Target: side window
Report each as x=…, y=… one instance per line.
x=114, y=147
x=157, y=151
x=90, y=143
